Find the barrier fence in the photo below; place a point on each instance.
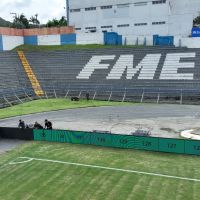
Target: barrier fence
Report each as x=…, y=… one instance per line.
x=180, y=146
x=16, y=133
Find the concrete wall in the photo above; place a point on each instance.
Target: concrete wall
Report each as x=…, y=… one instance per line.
x=31, y=40
x=90, y=38
x=190, y=42
x=11, y=38
x=36, y=31
x=178, y=41
x=68, y=39
x=49, y=40
x=137, y=40
x=10, y=42
x=49, y=31
x=187, y=42
x=11, y=31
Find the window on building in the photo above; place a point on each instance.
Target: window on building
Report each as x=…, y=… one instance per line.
x=90, y=8
x=159, y=2
x=123, y=25
x=78, y=29
x=107, y=26
x=75, y=10
x=106, y=7
x=140, y=3
x=122, y=5
x=90, y=28
x=158, y=23
x=140, y=24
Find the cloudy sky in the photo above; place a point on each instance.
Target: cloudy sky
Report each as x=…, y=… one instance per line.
x=46, y=9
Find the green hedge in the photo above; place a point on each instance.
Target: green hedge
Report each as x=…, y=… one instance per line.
x=120, y=141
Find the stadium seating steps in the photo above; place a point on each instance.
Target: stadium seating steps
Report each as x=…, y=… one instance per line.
x=57, y=73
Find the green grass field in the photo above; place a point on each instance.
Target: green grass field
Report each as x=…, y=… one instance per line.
x=43, y=180
x=45, y=105
x=69, y=47
x=51, y=178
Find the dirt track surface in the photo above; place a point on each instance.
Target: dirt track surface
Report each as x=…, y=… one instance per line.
x=162, y=120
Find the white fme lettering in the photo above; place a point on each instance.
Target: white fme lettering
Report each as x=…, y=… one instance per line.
x=146, y=68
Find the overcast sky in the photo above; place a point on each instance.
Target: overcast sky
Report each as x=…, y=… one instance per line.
x=46, y=9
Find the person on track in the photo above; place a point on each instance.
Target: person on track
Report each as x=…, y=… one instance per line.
x=48, y=124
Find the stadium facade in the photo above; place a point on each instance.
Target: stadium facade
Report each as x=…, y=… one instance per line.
x=134, y=17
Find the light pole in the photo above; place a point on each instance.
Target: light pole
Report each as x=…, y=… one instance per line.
x=36, y=20
x=67, y=11
x=13, y=13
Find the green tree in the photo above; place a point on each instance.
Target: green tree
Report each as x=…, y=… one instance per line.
x=63, y=21
x=57, y=23
x=20, y=21
x=196, y=21
x=34, y=21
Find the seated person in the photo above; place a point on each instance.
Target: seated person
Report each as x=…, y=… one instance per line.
x=74, y=98
x=87, y=96
x=48, y=124
x=38, y=126
x=21, y=124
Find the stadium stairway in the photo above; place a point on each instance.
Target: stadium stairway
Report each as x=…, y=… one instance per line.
x=33, y=79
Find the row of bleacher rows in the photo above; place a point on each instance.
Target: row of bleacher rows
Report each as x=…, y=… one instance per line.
x=61, y=69
x=11, y=72
x=58, y=71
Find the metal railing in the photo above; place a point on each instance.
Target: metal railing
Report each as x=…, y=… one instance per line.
x=10, y=97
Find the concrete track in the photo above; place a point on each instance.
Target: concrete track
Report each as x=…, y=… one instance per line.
x=164, y=120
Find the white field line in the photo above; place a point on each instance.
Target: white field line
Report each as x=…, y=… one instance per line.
x=21, y=162
x=29, y=159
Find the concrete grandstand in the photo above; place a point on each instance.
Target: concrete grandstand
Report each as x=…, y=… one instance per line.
x=123, y=74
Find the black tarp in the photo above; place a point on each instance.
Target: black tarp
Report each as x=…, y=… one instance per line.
x=16, y=133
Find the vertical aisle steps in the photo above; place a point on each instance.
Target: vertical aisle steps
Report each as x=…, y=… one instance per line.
x=33, y=79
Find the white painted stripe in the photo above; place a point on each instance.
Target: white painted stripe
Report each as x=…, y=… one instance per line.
x=20, y=162
x=111, y=168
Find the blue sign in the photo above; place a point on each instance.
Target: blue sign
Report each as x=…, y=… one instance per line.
x=163, y=40
x=1, y=43
x=195, y=32
x=112, y=38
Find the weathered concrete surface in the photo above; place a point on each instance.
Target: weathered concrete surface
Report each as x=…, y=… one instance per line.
x=163, y=120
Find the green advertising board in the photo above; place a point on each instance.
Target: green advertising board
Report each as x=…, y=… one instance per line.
x=52, y=135
x=60, y=136
x=42, y=135
x=147, y=143
x=123, y=141
x=37, y=134
x=100, y=139
x=192, y=147
x=77, y=137
x=120, y=141
x=171, y=145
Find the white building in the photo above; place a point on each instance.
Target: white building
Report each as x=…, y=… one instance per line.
x=134, y=17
